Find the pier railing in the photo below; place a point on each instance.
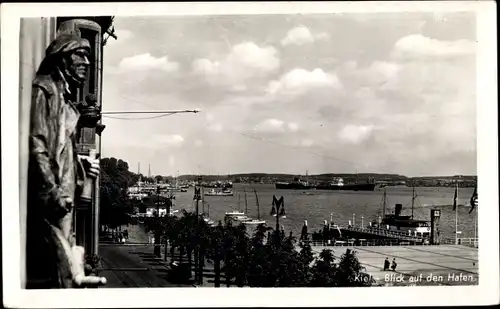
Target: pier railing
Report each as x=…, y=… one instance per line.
x=470, y=241
x=385, y=233
x=364, y=243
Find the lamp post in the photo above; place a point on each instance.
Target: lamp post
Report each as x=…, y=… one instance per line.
x=198, y=274
x=278, y=209
x=157, y=245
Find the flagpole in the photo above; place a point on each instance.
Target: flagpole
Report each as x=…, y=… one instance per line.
x=475, y=227
x=456, y=215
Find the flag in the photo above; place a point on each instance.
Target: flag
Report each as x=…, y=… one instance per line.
x=455, y=198
x=473, y=200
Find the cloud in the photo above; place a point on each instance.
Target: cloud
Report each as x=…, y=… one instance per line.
x=384, y=70
x=153, y=141
x=293, y=127
x=124, y=34
x=171, y=160
x=205, y=67
x=270, y=126
x=245, y=61
x=417, y=45
x=174, y=140
x=355, y=133
x=146, y=62
x=306, y=142
x=249, y=55
x=302, y=35
x=210, y=117
x=198, y=143
x=216, y=127
x=299, y=81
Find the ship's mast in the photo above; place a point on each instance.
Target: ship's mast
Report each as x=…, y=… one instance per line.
x=246, y=203
x=258, y=206
x=413, y=196
x=239, y=203
x=384, y=201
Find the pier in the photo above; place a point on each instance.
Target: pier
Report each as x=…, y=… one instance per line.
x=382, y=234
x=416, y=265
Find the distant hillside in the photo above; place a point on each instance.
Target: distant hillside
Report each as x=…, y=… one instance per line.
x=380, y=179
x=325, y=177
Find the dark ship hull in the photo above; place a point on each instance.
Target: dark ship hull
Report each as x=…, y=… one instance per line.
x=351, y=187
x=293, y=186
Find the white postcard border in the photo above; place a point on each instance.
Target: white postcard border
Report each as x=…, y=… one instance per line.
x=485, y=293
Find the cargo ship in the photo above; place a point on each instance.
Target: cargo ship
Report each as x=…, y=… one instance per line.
x=296, y=184
x=338, y=184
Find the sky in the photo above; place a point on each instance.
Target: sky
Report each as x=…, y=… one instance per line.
x=328, y=93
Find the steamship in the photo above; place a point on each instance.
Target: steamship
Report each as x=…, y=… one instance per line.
x=338, y=184
x=392, y=226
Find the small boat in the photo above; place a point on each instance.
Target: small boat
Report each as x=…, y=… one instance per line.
x=213, y=192
x=254, y=222
x=236, y=216
x=209, y=222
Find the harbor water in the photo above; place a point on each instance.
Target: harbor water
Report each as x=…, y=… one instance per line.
x=316, y=206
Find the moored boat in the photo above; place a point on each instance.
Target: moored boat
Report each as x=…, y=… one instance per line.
x=213, y=192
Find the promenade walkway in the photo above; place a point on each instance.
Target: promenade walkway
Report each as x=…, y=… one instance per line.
x=446, y=264
x=133, y=266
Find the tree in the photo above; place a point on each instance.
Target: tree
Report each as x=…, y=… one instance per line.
x=158, y=178
x=260, y=260
x=306, y=257
x=260, y=264
x=115, y=206
x=236, y=261
x=350, y=271
x=324, y=270
x=215, y=250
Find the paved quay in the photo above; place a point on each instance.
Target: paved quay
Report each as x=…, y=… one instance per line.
x=419, y=265
x=133, y=265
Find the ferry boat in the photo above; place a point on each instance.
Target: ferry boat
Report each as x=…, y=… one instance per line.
x=405, y=224
x=225, y=192
x=218, y=184
x=394, y=227
x=397, y=222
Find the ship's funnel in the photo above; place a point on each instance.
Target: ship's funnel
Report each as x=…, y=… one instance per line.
x=325, y=222
x=399, y=207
